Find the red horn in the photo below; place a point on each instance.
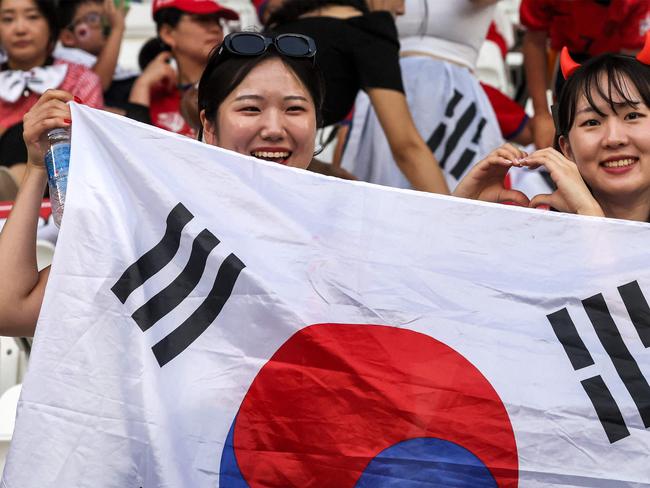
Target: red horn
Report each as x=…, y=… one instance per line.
x=567, y=64
x=644, y=54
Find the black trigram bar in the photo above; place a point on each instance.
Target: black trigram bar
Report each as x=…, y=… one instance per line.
x=156, y=258
x=169, y=298
x=462, y=164
x=567, y=334
x=468, y=154
x=186, y=333
x=451, y=106
x=479, y=130
x=608, y=412
x=438, y=135
x=625, y=365
x=637, y=307
x=462, y=126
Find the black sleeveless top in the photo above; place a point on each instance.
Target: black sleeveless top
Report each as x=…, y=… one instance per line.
x=357, y=53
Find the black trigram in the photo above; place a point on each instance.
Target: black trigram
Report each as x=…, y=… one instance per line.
x=624, y=363
x=462, y=125
x=170, y=297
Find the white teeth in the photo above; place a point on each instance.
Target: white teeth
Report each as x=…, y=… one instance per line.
x=267, y=154
x=619, y=163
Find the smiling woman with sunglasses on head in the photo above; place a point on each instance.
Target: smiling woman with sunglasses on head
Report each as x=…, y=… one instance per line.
x=274, y=108
x=258, y=96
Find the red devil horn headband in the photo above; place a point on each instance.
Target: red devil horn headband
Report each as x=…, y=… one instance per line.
x=644, y=54
x=568, y=65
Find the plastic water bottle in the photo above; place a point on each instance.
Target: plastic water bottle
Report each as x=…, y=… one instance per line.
x=57, y=162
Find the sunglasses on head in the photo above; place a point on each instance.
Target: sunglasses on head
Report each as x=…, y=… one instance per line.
x=255, y=44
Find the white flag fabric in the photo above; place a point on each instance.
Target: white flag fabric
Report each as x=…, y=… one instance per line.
x=213, y=320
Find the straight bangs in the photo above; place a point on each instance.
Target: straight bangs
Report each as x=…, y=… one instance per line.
x=612, y=86
x=609, y=78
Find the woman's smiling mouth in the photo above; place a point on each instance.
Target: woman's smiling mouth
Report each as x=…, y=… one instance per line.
x=274, y=156
x=619, y=164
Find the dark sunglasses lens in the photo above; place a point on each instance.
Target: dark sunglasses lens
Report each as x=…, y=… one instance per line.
x=293, y=46
x=247, y=44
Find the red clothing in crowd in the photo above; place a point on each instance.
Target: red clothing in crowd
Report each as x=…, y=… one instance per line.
x=511, y=116
x=588, y=27
x=79, y=81
x=165, y=111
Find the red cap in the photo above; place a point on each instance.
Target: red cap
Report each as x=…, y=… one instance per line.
x=199, y=7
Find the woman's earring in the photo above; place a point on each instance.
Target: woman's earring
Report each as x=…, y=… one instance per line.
x=319, y=149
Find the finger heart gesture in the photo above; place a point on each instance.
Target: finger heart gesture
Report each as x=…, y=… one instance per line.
x=572, y=194
x=485, y=181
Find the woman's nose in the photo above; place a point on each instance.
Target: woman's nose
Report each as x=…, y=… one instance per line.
x=272, y=126
x=20, y=24
x=615, y=133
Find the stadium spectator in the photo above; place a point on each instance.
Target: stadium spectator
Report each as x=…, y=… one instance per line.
x=277, y=124
x=358, y=49
x=91, y=35
x=28, y=33
x=440, y=41
x=602, y=167
x=587, y=28
x=190, y=29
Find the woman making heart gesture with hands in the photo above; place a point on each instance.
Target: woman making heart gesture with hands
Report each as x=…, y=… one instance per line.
x=602, y=167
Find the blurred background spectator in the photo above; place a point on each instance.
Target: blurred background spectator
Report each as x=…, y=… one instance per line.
x=587, y=28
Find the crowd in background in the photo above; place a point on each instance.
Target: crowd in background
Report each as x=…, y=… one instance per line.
x=402, y=103
x=401, y=88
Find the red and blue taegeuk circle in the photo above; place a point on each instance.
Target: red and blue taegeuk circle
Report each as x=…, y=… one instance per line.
x=353, y=405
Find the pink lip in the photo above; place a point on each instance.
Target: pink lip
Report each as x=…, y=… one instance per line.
x=21, y=44
x=619, y=171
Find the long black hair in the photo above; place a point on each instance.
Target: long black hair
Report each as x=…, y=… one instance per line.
x=290, y=10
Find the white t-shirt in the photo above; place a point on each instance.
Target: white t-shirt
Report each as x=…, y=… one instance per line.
x=448, y=29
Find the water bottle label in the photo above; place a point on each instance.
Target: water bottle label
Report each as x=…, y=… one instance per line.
x=57, y=161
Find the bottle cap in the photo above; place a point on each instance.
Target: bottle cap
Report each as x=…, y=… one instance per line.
x=59, y=134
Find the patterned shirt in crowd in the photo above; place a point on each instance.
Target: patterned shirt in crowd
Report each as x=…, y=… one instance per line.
x=78, y=80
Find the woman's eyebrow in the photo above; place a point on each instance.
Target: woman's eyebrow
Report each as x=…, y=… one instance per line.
x=249, y=97
x=295, y=97
x=589, y=108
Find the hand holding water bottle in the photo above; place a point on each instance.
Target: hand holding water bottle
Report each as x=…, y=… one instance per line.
x=50, y=112
x=47, y=136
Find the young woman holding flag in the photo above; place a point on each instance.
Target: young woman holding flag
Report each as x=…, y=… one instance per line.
x=258, y=96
